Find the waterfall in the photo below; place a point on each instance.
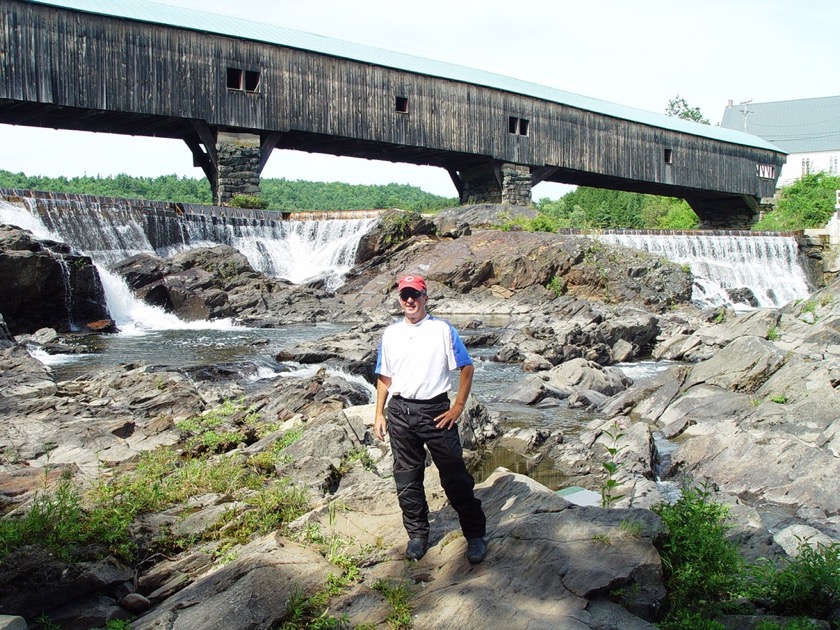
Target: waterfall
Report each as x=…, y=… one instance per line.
x=767, y=264
x=111, y=230
x=298, y=251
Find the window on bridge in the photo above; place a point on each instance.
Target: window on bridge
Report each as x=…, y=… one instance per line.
x=243, y=80
x=252, y=81
x=518, y=126
x=669, y=156
x=234, y=79
x=401, y=104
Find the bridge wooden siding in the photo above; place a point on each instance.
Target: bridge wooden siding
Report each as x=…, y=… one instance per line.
x=68, y=69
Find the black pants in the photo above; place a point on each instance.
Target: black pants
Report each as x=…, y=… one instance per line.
x=410, y=426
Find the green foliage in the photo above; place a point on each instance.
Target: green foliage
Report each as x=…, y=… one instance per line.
x=276, y=194
x=588, y=208
x=702, y=569
x=798, y=623
x=162, y=188
x=678, y=108
x=609, y=494
x=779, y=399
x=557, y=285
x=806, y=203
x=808, y=584
x=773, y=333
x=399, y=600
x=248, y=201
x=58, y=522
x=264, y=511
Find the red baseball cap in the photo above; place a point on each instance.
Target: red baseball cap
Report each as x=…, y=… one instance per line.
x=412, y=282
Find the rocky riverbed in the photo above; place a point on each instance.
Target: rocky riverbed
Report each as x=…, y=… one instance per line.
x=749, y=405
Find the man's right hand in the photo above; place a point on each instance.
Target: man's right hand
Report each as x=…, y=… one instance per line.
x=379, y=427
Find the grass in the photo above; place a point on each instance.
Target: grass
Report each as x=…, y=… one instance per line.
x=65, y=519
x=399, y=600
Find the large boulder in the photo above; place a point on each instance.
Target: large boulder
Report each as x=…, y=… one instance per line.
x=218, y=282
x=45, y=285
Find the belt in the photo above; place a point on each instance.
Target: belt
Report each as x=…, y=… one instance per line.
x=444, y=397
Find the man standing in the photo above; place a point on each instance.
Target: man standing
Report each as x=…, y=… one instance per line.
x=415, y=357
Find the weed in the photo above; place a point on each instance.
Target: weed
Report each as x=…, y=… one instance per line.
x=399, y=601
x=557, y=285
x=631, y=529
x=779, y=399
x=265, y=510
x=702, y=569
x=608, y=490
x=810, y=306
x=360, y=455
x=808, y=584
x=602, y=539
x=773, y=333
x=826, y=299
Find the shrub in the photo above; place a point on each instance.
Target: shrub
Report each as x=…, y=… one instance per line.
x=248, y=201
x=702, y=569
x=808, y=584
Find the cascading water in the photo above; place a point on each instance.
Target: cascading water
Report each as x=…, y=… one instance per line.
x=295, y=250
x=766, y=264
x=298, y=251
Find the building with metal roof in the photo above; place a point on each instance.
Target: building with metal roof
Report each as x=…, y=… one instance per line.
x=808, y=129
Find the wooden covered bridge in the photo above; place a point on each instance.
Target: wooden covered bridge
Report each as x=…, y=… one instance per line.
x=234, y=90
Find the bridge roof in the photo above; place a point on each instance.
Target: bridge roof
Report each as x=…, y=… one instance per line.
x=157, y=13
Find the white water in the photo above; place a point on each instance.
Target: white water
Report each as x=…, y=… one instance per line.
x=768, y=265
x=132, y=316
x=298, y=251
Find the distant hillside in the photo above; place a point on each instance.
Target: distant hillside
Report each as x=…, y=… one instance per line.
x=281, y=194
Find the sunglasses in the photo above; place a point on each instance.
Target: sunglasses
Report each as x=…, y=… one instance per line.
x=414, y=294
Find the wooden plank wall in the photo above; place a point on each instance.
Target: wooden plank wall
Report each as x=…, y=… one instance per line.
x=87, y=61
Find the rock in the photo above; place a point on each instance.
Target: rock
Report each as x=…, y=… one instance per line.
x=6, y=337
x=579, y=374
x=253, y=591
x=135, y=603
x=791, y=538
x=742, y=295
x=10, y=622
x=45, y=285
x=394, y=227
x=451, y=221
x=33, y=582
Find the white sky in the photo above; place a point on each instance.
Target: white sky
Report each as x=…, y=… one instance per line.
x=640, y=54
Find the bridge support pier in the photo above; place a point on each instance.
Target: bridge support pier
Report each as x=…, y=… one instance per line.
x=725, y=213
x=497, y=182
x=238, y=165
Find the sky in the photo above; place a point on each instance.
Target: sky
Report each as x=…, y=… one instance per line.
x=639, y=54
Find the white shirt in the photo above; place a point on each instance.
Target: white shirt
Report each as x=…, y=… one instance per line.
x=419, y=357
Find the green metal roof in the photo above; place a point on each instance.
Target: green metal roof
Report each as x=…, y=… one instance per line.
x=805, y=125
x=158, y=13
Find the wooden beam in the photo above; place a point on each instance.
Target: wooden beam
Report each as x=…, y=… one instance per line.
x=267, y=146
x=539, y=175
x=208, y=139
x=456, y=179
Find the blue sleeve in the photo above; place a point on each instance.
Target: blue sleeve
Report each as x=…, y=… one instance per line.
x=378, y=368
x=462, y=357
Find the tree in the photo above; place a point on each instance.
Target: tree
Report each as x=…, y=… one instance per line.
x=678, y=108
x=806, y=203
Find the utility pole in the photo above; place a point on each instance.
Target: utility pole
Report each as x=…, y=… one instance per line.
x=746, y=112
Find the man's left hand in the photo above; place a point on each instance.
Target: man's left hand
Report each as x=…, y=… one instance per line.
x=448, y=419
